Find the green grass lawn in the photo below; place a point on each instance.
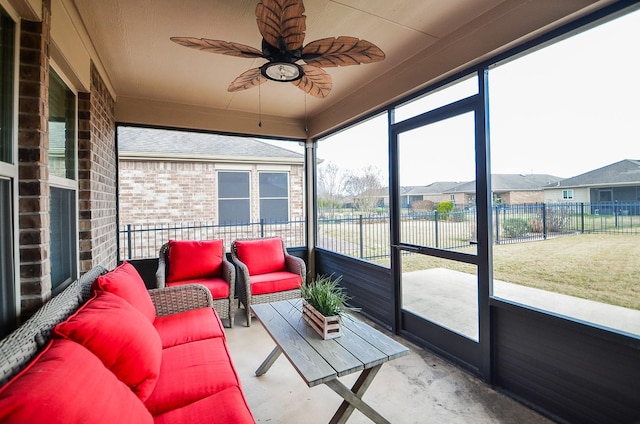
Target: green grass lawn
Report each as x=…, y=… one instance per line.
x=604, y=268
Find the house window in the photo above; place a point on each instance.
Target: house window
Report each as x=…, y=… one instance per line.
x=7, y=29
x=274, y=196
x=567, y=194
x=62, y=129
x=233, y=198
x=8, y=173
x=64, y=186
x=63, y=237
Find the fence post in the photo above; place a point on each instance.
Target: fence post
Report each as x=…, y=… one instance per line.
x=129, y=252
x=497, y=215
x=544, y=221
x=582, y=217
x=262, y=227
x=361, y=238
x=435, y=216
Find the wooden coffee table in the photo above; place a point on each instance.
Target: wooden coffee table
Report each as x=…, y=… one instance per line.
x=361, y=348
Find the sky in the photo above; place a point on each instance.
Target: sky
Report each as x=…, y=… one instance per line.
x=563, y=110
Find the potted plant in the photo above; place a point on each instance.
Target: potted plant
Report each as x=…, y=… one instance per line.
x=323, y=300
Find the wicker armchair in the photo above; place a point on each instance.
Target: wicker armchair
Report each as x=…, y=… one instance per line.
x=219, y=279
x=266, y=272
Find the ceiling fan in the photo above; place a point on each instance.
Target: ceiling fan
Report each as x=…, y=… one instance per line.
x=282, y=25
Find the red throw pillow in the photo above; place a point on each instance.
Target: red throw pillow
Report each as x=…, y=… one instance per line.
x=121, y=337
x=127, y=283
x=68, y=384
x=261, y=256
x=189, y=260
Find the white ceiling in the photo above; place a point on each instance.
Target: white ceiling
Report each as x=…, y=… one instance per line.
x=421, y=39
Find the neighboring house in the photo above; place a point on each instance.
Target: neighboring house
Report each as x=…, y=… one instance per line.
x=618, y=182
x=507, y=189
x=186, y=177
x=433, y=192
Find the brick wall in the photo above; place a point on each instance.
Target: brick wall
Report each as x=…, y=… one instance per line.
x=33, y=144
x=161, y=192
x=97, y=176
x=96, y=169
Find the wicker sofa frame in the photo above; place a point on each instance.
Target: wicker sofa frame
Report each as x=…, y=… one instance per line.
x=23, y=345
x=245, y=298
x=224, y=307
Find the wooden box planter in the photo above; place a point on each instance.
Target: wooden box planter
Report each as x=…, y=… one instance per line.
x=326, y=327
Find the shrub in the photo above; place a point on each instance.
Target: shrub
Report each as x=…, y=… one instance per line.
x=515, y=227
x=444, y=209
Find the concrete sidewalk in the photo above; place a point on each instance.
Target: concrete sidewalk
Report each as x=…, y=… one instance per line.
x=449, y=298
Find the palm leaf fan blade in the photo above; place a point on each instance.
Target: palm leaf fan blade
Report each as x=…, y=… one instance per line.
x=341, y=51
x=249, y=79
x=218, y=46
x=282, y=20
x=315, y=81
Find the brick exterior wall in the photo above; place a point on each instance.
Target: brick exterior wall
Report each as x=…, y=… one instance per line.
x=96, y=169
x=97, y=173
x=165, y=192
x=33, y=144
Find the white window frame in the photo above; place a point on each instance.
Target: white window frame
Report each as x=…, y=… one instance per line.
x=288, y=195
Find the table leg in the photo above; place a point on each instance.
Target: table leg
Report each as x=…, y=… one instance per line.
x=353, y=398
x=264, y=367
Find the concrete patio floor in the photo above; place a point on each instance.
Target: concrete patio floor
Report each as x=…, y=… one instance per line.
x=417, y=388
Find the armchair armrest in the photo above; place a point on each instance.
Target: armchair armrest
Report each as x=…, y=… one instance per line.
x=170, y=300
x=229, y=274
x=161, y=272
x=296, y=265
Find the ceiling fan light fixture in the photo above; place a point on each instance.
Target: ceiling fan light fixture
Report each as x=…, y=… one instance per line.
x=282, y=71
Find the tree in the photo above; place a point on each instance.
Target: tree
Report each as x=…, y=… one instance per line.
x=364, y=187
x=330, y=186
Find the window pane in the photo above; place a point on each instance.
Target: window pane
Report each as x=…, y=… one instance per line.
x=7, y=28
x=62, y=129
x=437, y=173
x=274, y=210
x=353, y=191
x=63, y=233
x=274, y=184
x=7, y=287
x=568, y=112
x=234, y=211
x=233, y=185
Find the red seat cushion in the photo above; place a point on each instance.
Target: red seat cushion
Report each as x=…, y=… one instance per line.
x=227, y=406
x=188, y=326
x=218, y=287
x=189, y=259
x=121, y=337
x=190, y=372
x=127, y=283
x=275, y=282
x=262, y=255
x=68, y=384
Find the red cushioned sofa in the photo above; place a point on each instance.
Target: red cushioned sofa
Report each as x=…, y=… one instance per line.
x=266, y=272
x=106, y=350
x=199, y=262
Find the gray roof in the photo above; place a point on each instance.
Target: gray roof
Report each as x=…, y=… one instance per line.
x=626, y=171
x=511, y=182
x=433, y=188
x=150, y=140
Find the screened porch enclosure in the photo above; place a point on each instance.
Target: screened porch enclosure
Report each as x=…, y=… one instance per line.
x=478, y=190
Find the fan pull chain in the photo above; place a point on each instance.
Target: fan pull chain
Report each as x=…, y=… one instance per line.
x=259, y=106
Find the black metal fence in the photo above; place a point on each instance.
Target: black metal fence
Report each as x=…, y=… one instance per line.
x=367, y=237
